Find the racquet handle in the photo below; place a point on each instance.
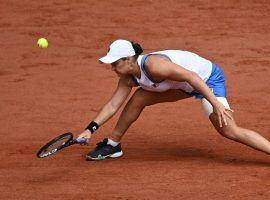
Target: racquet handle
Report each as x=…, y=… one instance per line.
x=81, y=140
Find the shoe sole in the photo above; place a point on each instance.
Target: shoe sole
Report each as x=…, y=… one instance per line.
x=115, y=155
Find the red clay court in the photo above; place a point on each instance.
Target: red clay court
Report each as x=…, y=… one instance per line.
x=172, y=151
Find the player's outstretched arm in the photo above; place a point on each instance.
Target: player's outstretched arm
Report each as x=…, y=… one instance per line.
x=110, y=108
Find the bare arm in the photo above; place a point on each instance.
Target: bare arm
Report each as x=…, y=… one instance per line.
x=171, y=71
x=110, y=108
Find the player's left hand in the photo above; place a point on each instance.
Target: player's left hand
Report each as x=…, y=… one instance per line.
x=221, y=113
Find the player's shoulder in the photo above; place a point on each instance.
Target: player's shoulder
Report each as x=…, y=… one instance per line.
x=154, y=60
x=158, y=56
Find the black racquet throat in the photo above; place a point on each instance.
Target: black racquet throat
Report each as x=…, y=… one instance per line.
x=58, y=143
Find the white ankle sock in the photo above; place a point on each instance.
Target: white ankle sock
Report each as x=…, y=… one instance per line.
x=113, y=143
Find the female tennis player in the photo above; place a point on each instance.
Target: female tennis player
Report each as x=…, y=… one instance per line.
x=164, y=76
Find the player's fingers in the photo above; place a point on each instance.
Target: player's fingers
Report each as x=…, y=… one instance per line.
x=84, y=135
x=229, y=109
x=220, y=121
x=228, y=115
x=224, y=119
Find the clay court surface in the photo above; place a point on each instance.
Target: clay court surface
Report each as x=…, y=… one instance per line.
x=172, y=151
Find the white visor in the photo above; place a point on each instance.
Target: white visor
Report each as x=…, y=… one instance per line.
x=118, y=49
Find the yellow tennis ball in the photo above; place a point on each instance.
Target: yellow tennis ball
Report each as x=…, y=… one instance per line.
x=42, y=43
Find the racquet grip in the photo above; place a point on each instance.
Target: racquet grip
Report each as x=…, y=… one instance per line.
x=81, y=140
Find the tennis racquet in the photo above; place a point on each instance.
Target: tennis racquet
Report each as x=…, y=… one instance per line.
x=58, y=143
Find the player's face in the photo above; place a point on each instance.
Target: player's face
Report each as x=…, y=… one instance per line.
x=121, y=67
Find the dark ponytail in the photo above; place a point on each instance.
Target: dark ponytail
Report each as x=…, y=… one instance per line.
x=138, y=49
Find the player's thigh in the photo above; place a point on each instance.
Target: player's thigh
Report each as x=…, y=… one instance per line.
x=148, y=98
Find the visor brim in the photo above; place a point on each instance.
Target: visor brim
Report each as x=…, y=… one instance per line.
x=108, y=59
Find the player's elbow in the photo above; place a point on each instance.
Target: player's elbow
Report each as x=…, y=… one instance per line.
x=113, y=107
x=188, y=76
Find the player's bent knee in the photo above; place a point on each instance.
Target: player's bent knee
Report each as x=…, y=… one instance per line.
x=232, y=133
x=229, y=135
